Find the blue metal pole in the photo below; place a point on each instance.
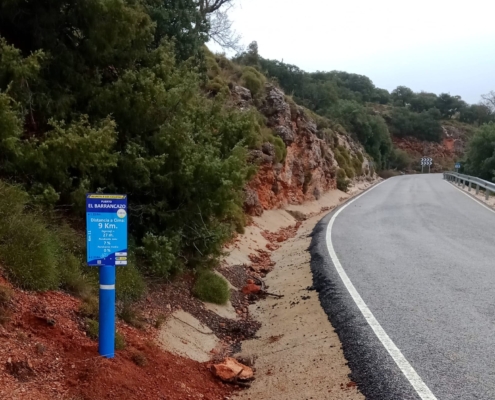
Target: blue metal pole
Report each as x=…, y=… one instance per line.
x=106, y=340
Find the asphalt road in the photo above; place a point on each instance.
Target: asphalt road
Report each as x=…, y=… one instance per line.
x=422, y=257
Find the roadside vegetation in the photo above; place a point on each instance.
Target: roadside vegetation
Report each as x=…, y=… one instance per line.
x=126, y=98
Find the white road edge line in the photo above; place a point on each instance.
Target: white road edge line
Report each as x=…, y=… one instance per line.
x=411, y=375
x=480, y=202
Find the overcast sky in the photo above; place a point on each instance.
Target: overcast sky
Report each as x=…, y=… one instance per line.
x=431, y=45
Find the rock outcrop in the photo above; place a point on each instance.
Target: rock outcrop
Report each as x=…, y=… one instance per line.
x=309, y=169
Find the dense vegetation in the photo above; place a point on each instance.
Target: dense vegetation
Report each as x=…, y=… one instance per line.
x=108, y=96
x=369, y=113
x=123, y=96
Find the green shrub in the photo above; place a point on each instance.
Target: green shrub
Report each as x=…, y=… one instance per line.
x=90, y=307
x=399, y=159
x=253, y=80
x=211, y=287
x=130, y=315
x=342, y=181
x=280, y=149
x=92, y=328
x=72, y=279
x=139, y=359
x=160, y=254
x=120, y=343
x=129, y=283
x=349, y=171
x=358, y=166
x=29, y=253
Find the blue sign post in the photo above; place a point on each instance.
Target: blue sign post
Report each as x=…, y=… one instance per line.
x=457, y=166
x=106, y=239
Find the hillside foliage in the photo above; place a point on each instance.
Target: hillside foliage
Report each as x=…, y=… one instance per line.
x=121, y=96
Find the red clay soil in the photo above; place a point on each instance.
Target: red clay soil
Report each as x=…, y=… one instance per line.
x=282, y=234
x=45, y=354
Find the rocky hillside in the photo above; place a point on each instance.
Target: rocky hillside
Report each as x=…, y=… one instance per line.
x=310, y=167
x=445, y=153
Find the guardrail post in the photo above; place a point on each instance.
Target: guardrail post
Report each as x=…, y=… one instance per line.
x=470, y=183
x=477, y=189
x=487, y=194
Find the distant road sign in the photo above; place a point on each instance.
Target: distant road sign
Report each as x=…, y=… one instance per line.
x=426, y=161
x=458, y=165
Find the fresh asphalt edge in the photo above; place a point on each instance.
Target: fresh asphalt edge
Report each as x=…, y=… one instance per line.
x=372, y=368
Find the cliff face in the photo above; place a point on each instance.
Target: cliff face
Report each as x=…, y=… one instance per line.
x=309, y=169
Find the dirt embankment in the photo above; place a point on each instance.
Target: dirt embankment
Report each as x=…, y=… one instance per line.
x=45, y=354
x=297, y=353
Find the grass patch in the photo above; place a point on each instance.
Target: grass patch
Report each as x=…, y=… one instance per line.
x=120, y=343
x=211, y=287
x=92, y=328
x=129, y=284
x=139, y=359
x=90, y=307
x=129, y=315
x=160, y=320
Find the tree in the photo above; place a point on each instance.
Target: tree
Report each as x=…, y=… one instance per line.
x=480, y=156
x=402, y=96
x=423, y=101
x=424, y=125
x=370, y=130
x=104, y=95
x=381, y=96
x=477, y=114
x=449, y=105
x=221, y=31
x=489, y=100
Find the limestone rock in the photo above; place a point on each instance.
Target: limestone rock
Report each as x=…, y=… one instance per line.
x=230, y=370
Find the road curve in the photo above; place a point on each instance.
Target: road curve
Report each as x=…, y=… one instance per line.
x=421, y=255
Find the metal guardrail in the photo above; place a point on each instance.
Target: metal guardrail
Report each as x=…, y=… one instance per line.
x=467, y=180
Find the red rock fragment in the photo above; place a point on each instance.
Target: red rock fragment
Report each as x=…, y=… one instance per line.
x=230, y=370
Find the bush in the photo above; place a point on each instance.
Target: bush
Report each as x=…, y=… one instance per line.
x=358, y=166
x=342, y=181
x=139, y=359
x=424, y=125
x=211, y=287
x=129, y=283
x=480, y=155
x=120, y=343
x=399, y=159
x=92, y=328
x=90, y=307
x=29, y=253
x=253, y=80
x=130, y=315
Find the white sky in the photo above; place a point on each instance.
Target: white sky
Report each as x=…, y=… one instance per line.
x=432, y=45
